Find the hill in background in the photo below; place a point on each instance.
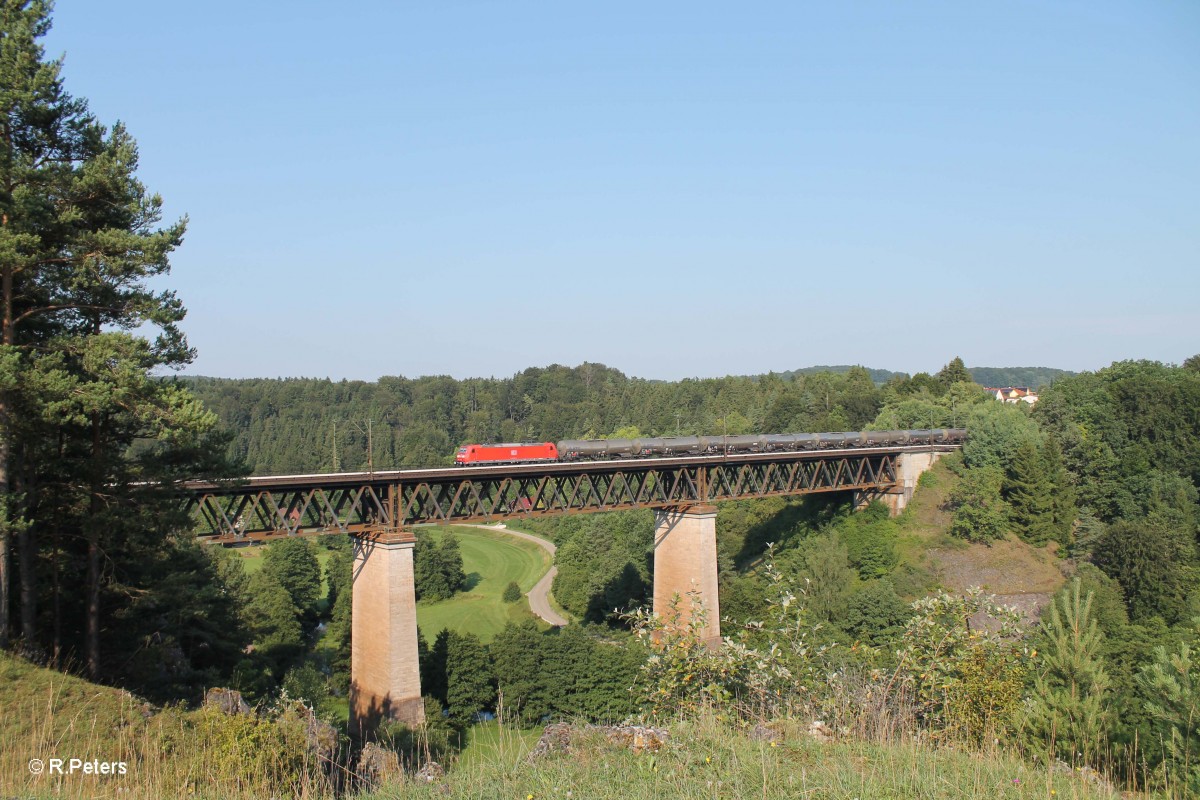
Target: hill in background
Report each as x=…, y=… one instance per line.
x=879, y=376
x=1033, y=377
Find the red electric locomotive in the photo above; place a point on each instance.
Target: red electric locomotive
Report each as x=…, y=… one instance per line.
x=524, y=453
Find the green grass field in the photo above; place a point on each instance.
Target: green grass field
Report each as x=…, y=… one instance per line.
x=491, y=559
x=489, y=743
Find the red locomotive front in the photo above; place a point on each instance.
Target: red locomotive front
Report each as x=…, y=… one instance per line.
x=519, y=453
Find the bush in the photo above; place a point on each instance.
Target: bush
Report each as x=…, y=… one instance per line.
x=767, y=666
x=512, y=592
x=870, y=538
x=966, y=679
x=435, y=740
x=269, y=757
x=305, y=682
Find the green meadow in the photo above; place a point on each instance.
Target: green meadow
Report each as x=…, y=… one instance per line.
x=490, y=559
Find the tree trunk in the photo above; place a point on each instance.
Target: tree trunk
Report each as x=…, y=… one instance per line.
x=3, y=569
x=92, y=637
x=8, y=336
x=56, y=642
x=27, y=559
x=92, y=634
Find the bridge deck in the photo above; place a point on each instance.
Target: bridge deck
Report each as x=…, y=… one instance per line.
x=387, y=501
x=385, y=477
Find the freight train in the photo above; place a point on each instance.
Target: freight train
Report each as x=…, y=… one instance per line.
x=651, y=447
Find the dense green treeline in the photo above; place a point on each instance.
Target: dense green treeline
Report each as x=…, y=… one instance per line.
x=308, y=425
x=313, y=425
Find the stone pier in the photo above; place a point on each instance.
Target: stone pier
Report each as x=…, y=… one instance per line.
x=685, y=565
x=385, y=678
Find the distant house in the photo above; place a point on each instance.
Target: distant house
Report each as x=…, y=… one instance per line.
x=1013, y=394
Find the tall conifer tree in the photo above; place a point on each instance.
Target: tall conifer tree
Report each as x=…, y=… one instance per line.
x=80, y=239
x=1028, y=491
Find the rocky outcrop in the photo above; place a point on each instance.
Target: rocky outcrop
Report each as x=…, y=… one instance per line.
x=228, y=701
x=378, y=765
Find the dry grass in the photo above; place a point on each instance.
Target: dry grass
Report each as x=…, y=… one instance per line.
x=47, y=715
x=710, y=758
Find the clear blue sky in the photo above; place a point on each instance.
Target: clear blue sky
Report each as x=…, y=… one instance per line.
x=674, y=189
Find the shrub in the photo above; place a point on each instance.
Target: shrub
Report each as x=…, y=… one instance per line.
x=512, y=592
x=966, y=679
x=767, y=666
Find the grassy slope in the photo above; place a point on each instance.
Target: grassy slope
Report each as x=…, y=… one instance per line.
x=1017, y=573
x=709, y=759
x=490, y=559
x=45, y=713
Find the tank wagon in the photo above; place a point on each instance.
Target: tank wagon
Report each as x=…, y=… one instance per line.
x=666, y=446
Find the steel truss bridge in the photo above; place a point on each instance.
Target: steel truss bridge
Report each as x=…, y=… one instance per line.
x=382, y=503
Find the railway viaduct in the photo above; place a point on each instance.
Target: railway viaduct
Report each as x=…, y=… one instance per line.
x=378, y=510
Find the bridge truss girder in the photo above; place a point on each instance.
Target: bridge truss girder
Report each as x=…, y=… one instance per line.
x=378, y=504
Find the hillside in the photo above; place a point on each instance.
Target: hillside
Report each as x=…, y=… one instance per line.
x=707, y=758
x=1016, y=572
x=171, y=753
x=150, y=752
x=1032, y=377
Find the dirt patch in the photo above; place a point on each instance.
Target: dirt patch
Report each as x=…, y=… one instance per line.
x=1016, y=573
x=1009, y=567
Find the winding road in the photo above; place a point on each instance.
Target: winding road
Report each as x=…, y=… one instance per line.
x=539, y=603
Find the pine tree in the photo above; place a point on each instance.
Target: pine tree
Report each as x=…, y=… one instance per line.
x=469, y=687
x=952, y=373
x=1062, y=494
x=1172, y=684
x=1028, y=491
x=517, y=655
x=437, y=567
x=433, y=668
x=79, y=242
x=1068, y=710
x=451, y=563
x=44, y=133
x=274, y=619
